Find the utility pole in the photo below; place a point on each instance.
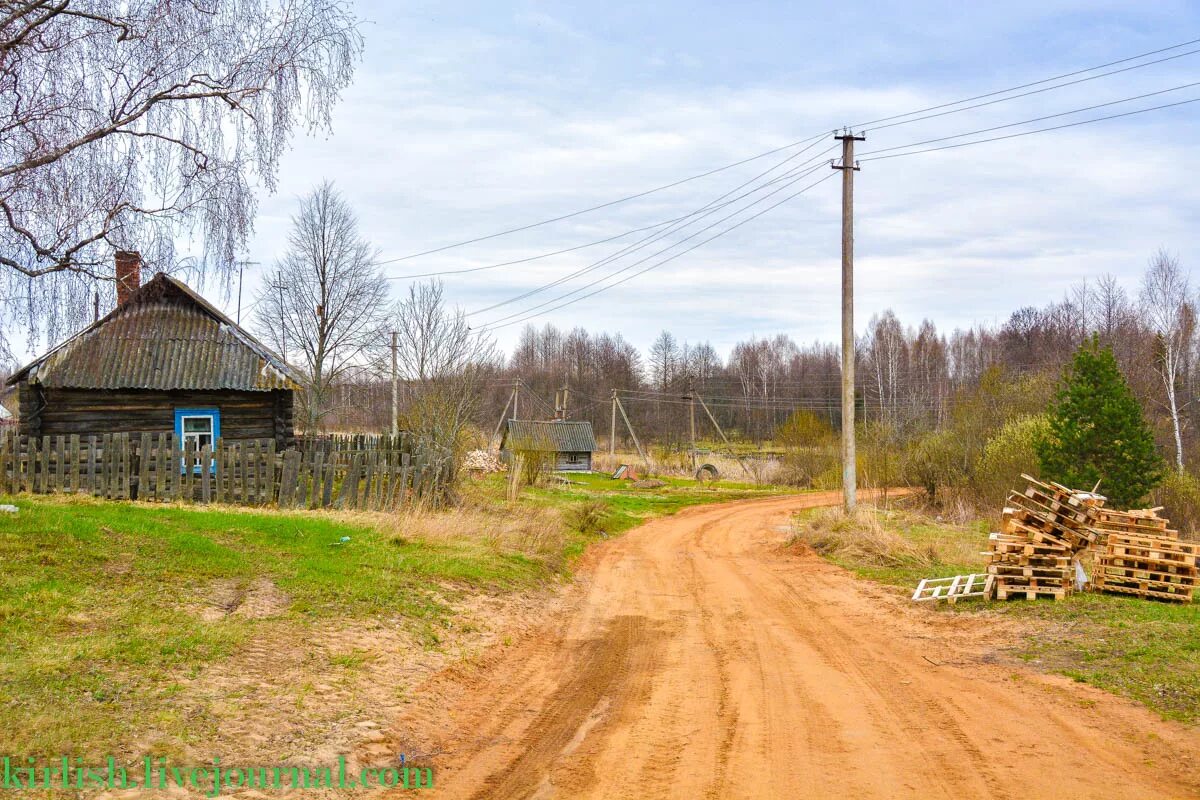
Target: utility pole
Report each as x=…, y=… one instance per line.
x=612, y=431
x=395, y=387
x=566, y=394
x=848, y=167
x=691, y=398
x=282, y=318
x=241, y=271
x=512, y=399
x=516, y=397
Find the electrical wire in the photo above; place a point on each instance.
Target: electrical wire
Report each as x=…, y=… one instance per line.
x=790, y=177
x=773, y=151
x=493, y=326
x=606, y=205
x=1035, y=91
x=608, y=239
x=867, y=157
x=652, y=255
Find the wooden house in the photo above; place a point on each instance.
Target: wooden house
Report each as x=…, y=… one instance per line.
x=165, y=360
x=570, y=444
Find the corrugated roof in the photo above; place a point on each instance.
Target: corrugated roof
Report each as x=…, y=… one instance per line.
x=163, y=337
x=553, y=436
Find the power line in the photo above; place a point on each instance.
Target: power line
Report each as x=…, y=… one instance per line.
x=492, y=326
x=804, y=141
x=1035, y=119
x=1036, y=91
x=647, y=241
x=606, y=240
x=644, y=259
x=625, y=199
x=1022, y=133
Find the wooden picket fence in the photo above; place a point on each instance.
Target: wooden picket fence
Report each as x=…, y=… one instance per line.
x=354, y=474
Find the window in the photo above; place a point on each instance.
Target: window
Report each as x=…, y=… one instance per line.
x=197, y=427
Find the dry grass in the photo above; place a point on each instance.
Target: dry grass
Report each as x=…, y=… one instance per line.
x=860, y=539
x=539, y=532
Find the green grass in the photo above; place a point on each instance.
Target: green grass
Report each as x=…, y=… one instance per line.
x=100, y=602
x=621, y=505
x=1142, y=649
x=97, y=600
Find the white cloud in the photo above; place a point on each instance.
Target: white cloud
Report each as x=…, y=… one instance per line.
x=451, y=137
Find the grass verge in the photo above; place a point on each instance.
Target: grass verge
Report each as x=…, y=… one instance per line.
x=110, y=612
x=1141, y=649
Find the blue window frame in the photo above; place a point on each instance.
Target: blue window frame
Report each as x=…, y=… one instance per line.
x=201, y=426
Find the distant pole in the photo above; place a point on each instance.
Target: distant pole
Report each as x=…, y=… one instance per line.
x=566, y=394
x=516, y=398
x=848, y=168
x=395, y=387
x=241, y=271
x=282, y=319
x=612, y=430
x=692, y=421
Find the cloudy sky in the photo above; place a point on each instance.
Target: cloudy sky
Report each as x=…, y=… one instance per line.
x=470, y=118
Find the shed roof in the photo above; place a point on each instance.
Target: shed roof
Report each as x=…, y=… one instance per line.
x=555, y=436
x=164, y=337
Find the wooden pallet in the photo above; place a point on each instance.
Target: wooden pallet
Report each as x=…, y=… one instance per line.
x=1028, y=571
x=951, y=589
x=1148, y=564
x=1015, y=593
x=1143, y=589
x=1157, y=543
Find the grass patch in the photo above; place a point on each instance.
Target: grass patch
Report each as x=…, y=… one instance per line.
x=106, y=607
x=1142, y=649
x=599, y=506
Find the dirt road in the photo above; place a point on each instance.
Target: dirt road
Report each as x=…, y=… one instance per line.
x=699, y=659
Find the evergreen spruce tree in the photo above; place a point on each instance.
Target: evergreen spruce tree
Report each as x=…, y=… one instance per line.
x=1098, y=433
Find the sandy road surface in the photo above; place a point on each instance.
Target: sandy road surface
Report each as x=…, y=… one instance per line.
x=700, y=660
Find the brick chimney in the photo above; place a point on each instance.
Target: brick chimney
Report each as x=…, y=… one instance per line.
x=129, y=274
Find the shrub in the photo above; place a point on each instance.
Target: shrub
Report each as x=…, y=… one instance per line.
x=936, y=461
x=1179, y=495
x=1008, y=454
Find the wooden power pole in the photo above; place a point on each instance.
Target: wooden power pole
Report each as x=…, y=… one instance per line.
x=395, y=388
x=848, y=168
x=612, y=429
x=692, y=420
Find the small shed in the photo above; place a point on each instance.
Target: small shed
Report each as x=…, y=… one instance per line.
x=164, y=360
x=572, y=443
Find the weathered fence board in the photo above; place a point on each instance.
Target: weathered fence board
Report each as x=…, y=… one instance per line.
x=361, y=472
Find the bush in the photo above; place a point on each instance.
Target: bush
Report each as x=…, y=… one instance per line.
x=1008, y=454
x=1179, y=495
x=588, y=517
x=936, y=461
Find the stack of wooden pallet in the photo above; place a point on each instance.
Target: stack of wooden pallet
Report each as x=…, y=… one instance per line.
x=1041, y=533
x=1143, y=557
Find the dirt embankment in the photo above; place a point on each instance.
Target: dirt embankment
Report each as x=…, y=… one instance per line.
x=696, y=658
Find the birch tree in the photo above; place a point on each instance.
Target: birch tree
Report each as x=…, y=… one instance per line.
x=135, y=124
x=1166, y=309
x=326, y=300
